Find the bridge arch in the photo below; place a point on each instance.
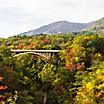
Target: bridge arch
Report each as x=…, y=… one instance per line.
x=38, y=55
x=45, y=55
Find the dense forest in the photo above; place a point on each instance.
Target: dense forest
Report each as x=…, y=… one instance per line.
x=74, y=76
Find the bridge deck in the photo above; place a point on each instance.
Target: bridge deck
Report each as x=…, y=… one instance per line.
x=40, y=51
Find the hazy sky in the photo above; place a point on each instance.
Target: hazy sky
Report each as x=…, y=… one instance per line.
x=18, y=16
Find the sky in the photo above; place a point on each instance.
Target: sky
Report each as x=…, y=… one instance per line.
x=17, y=16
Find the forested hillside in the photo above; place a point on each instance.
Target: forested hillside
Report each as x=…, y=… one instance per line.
x=96, y=26
x=74, y=76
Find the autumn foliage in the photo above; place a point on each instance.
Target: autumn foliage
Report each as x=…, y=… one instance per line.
x=75, y=75
x=2, y=89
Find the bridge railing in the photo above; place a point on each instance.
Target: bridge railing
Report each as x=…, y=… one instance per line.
x=38, y=51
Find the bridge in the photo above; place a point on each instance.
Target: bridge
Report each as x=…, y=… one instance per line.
x=43, y=54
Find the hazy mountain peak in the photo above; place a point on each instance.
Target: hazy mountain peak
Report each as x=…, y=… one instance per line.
x=66, y=26
x=58, y=26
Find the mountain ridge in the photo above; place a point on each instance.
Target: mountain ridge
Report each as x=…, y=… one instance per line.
x=56, y=27
x=66, y=26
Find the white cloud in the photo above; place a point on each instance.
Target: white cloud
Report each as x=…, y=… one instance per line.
x=17, y=16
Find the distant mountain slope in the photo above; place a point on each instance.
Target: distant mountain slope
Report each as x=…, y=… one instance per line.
x=96, y=26
x=59, y=26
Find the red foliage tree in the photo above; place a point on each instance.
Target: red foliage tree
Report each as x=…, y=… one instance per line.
x=2, y=88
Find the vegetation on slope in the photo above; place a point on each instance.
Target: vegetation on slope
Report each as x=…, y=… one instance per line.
x=97, y=26
x=76, y=76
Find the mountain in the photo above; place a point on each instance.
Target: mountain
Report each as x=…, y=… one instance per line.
x=96, y=26
x=56, y=27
